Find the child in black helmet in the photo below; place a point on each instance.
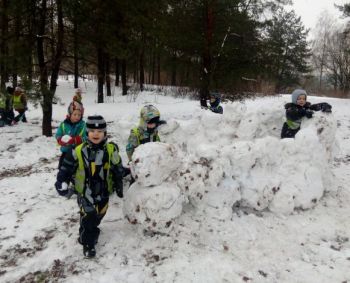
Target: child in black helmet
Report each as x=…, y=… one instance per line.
x=98, y=171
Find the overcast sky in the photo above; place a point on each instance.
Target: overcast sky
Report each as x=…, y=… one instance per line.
x=309, y=10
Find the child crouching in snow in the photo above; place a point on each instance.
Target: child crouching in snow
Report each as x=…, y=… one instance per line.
x=72, y=131
x=298, y=109
x=98, y=172
x=146, y=131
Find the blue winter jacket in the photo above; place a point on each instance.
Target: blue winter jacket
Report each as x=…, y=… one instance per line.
x=72, y=129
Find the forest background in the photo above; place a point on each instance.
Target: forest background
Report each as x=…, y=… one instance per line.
x=240, y=48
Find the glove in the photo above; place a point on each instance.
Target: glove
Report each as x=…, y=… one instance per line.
x=77, y=140
x=120, y=193
x=119, y=188
x=126, y=172
x=61, y=188
x=326, y=107
x=309, y=113
x=161, y=122
x=302, y=112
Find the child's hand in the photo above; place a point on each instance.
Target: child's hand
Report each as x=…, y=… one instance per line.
x=76, y=140
x=61, y=188
x=309, y=113
x=325, y=107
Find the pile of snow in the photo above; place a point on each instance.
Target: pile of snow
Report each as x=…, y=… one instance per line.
x=154, y=199
x=217, y=162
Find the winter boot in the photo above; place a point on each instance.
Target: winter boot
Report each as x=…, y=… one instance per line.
x=89, y=251
x=98, y=231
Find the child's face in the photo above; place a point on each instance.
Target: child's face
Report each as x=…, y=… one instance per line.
x=301, y=100
x=151, y=125
x=75, y=116
x=96, y=136
x=212, y=99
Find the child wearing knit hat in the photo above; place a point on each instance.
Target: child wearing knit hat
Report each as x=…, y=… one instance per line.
x=98, y=170
x=298, y=109
x=77, y=97
x=72, y=131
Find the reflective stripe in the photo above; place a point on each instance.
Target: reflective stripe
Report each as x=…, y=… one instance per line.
x=17, y=103
x=137, y=134
x=293, y=124
x=2, y=102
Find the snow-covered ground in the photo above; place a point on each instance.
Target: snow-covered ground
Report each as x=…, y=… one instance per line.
x=222, y=199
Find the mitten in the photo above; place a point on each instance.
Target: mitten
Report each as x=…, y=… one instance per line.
x=309, y=113
x=126, y=171
x=326, y=107
x=61, y=188
x=161, y=122
x=77, y=140
x=118, y=186
x=302, y=112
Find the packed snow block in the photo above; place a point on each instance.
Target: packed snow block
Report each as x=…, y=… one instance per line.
x=259, y=123
x=170, y=127
x=192, y=179
x=153, y=163
x=326, y=127
x=153, y=208
x=280, y=175
x=219, y=200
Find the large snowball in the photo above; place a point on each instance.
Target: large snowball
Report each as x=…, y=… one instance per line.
x=153, y=163
x=153, y=208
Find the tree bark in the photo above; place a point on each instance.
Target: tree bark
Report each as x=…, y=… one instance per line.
x=207, y=53
x=75, y=52
x=117, y=72
x=100, y=74
x=158, y=67
x=142, y=71
x=173, y=70
x=56, y=64
x=124, y=86
x=108, y=71
x=43, y=76
x=3, y=43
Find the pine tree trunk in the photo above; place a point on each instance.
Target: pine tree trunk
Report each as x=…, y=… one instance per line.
x=14, y=66
x=75, y=54
x=100, y=75
x=158, y=67
x=207, y=56
x=117, y=72
x=56, y=64
x=124, y=86
x=43, y=76
x=153, y=64
x=173, y=70
x=3, y=43
x=108, y=78
x=142, y=71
